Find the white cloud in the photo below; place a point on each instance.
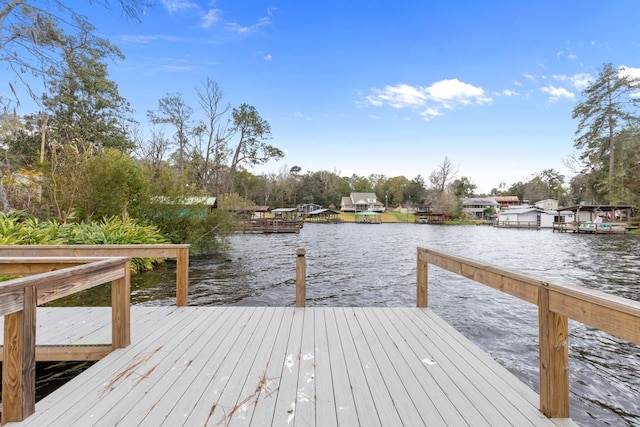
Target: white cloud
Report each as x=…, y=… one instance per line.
x=177, y=67
x=509, y=92
x=578, y=81
x=557, y=93
x=239, y=29
x=148, y=39
x=399, y=96
x=430, y=113
x=177, y=5
x=299, y=115
x=444, y=94
x=210, y=18
x=571, y=56
x=581, y=80
x=453, y=90
x=632, y=73
x=267, y=57
x=374, y=117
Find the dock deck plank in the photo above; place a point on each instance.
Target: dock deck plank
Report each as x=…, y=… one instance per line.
x=249, y=366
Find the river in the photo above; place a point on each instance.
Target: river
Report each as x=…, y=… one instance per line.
x=375, y=265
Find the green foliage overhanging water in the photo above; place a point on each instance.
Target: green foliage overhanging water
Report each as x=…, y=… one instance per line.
x=19, y=228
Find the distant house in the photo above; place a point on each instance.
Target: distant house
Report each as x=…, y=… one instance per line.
x=414, y=208
x=547, y=204
x=307, y=208
x=475, y=207
x=506, y=201
x=361, y=202
x=527, y=216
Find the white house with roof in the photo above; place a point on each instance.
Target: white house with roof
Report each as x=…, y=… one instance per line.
x=361, y=202
x=529, y=216
x=475, y=207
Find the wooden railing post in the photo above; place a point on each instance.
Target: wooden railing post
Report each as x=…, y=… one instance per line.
x=554, y=359
x=121, y=309
x=423, y=269
x=182, y=277
x=301, y=277
x=19, y=363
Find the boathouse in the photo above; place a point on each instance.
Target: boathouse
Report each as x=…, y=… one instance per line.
x=530, y=217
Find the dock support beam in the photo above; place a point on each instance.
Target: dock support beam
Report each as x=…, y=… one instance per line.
x=182, y=276
x=19, y=361
x=121, y=310
x=554, y=359
x=301, y=278
x=423, y=276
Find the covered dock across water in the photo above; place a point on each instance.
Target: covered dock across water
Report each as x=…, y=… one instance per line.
x=596, y=219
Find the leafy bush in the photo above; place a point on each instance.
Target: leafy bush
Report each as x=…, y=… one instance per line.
x=18, y=228
x=205, y=230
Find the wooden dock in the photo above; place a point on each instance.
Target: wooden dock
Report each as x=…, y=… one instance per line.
x=281, y=366
x=276, y=365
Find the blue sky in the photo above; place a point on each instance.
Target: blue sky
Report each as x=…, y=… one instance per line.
x=386, y=87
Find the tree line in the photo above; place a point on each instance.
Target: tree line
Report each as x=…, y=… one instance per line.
x=81, y=156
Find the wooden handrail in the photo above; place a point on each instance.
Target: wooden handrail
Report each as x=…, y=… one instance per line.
x=557, y=302
x=18, y=301
x=179, y=252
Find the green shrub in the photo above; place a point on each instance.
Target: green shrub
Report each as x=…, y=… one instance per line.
x=18, y=228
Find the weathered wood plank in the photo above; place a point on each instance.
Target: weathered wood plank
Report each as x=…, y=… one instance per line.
x=148, y=377
x=306, y=390
x=389, y=362
x=609, y=313
x=72, y=353
x=448, y=400
x=385, y=402
x=34, y=265
x=198, y=364
x=554, y=359
x=366, y=406
x=230, y=405
x=182, y=276
x=179, y=369
x=265, y=407
x=285, y=409
x=121, y=309
x=101, y=374
x=325, y=402
x=207, y=365
x=11, y=302
x=222, y=365
x=135, y=251
x=518, y=285
x=346, y=409
x=476, y=382
x=19, y=361
x=425, y=393
x=259, y=386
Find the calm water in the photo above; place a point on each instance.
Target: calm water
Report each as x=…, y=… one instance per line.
x=375, y=265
